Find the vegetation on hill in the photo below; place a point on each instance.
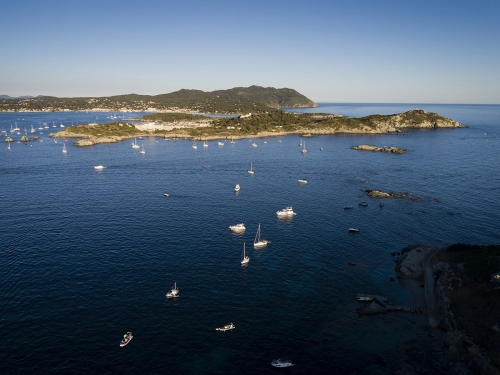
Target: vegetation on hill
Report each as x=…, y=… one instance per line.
x=253, y=99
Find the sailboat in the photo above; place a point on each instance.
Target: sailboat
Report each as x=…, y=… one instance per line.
x=251, y=170
x=194, y=145
x=304, y=151
x=246, y=258
x=64, y=149
x=232, y=141
x=205, y=144
x=32, y=129
x=173, y=293
x=142, y=151
x=135, y=145
x=259, y=242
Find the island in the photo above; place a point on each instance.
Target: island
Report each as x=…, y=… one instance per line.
x=390, y=149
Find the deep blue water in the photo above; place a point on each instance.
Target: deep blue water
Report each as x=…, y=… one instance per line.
x=88, y=255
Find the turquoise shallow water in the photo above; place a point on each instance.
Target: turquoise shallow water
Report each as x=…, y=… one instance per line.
x=87, y=255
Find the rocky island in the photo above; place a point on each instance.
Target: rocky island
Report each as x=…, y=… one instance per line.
x=390, y=150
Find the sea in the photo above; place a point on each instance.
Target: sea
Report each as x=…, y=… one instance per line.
x=87, y=255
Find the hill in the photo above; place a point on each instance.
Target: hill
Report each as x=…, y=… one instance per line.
x=254, y=99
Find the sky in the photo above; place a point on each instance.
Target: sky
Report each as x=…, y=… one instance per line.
x=370, y=51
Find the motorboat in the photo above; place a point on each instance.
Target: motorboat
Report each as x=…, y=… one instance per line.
x=245, y=258
x=173, y=293
x=166, y=195
x=364, y=204
x=353, y=230
x=99, y=167
x=237, y=187
x=348, y=208
x=303, y=181
x=281, y=363
x=220, y=143
x=237, y=227
x=259, y=242
x=254, y=144
x=126, y=339
x=287, y=211
x=227, y=327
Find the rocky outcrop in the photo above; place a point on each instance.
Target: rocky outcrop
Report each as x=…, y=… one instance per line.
x=411, y=263
x=390, y=194
x=90, y=141
x=390, y=150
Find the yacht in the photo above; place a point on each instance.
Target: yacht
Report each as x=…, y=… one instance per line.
x=303, y=181
x=254, y=144
x=281, y=363
x=99, y=167
x=237, y=188
x=220, y=143
x=173, y=293
x=355, y=230
x=126, y=339
x=258, y=241
x=227, y=327
x=287, y=211
x=237, y=227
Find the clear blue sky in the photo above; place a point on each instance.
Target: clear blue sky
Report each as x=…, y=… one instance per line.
x=340, y=51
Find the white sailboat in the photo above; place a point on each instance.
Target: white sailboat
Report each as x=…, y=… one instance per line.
x=134, y=144
x=64, y=149
x=32, y=129
x=205, y=144
x=142, y=151
x=173, y=293
x=304, y=151
x=194, y=145
x=251, y=169
x=259, y=242
x=246, y=258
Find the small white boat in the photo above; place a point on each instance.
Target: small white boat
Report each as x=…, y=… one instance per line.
x=303, y=181
x=254, y=144
x=245, y=258
x=205, y=144
x=134, y=144
x=62, y=126
x=220, y=143
x=64, y=149
x=259, y=242
x=126, y=339
x=227, y=327
x=353, y=230
x=287, y=211
x=167, y=195
x=251, y=169
x=281, y=363
x=32, y=129
x=142, y=151
x=173, y=293
x=304, y=151
x=237, y=187
x=99, y=167
x=194, y=145
x=237, y=227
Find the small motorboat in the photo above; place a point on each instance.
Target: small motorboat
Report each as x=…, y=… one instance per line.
x=173, y=293
x=287, y=211
x=237, y=227
x=227, y=327
x=237, y=187
x=353, y=230
x=167, y=195
x=99, y=167
x=220, y=143
x=364, y=204
x=254, y=144
x=281, y=363
x=303, y=181
x=348, y=208
x=126, y=339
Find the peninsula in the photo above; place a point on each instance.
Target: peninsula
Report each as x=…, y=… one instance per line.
x=263, y=124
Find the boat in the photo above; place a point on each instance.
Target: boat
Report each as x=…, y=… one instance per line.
x=364, y=298
x=227, y=327
x=381, y=204
x=173, y=293
x=32, y=129
x=237, y=227
x=364, y=204
x=237, y=188
x=281, y=363
x=64, y=149
x=142, y=151
x=254, y=144
x=134, y=144
x=348, y=208
x=304, y=151
x=126, y=339
x=99, y=167
x=232, y=141
x=246, y=258
x=166, y=195
x=205, y=144
x=194, y=145
x=287, y=211
x=370, y=297
x=251, y=169
x=353, y=230
x=220, y=143
x=62, y=126
x=303, y=181
x=259, y=242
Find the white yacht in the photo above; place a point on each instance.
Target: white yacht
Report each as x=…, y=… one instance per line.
x=287, y=211
x=99, y=167
x=254, y=144
x=220, y=143
x=237, y=188
x=173, y=293
x=245, y=258
x=303, y=181
x=281, y=363
x=237, y=227
x=259, y=242
x=227, y=327
x=353, y=230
